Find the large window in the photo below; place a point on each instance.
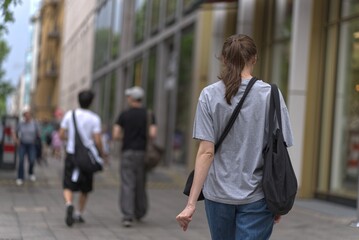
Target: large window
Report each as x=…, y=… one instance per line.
x=155, y=15
x=189, y=5
x=151, y=79
x=170, y=10
x=140, y=19
x=112, y=96
x=183, y=121
x=102, y=35
x=116, y=27
x=341, y=100
x=278, y=42
x=137, y=72
x=103, y=97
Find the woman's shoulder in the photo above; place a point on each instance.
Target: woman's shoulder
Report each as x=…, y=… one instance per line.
x=213, y=88
x=262, y=84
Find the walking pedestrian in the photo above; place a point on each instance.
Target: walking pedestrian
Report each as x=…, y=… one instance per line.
x=231, y=177
x=56, y=143
x=89, y=128
x=46, y=137
x=131, y=127
x=25, y=137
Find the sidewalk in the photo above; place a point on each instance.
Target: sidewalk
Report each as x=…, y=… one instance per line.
x=36, y=211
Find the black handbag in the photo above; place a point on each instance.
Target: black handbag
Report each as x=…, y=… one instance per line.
x=85, y=158
x=189, y=182
x=279, y=181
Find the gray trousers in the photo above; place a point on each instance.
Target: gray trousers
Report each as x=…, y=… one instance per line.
x=133, y=196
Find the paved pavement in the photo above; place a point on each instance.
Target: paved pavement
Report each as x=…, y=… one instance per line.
x=36, y=211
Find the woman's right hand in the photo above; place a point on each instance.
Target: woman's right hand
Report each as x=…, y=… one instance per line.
x=185, y=217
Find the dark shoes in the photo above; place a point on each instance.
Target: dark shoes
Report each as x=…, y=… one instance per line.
x=127, y=223
x=69, y=215
x=79, y=219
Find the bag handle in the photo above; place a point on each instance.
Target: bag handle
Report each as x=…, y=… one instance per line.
x=274, y=109
x=148, y=124
x=77, y=135
x=235, y=114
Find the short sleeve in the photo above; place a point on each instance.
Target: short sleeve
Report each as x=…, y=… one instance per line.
x=97, y=125
x=120, y=120
x=203, y=123
x=65, y=121
x=286, y=126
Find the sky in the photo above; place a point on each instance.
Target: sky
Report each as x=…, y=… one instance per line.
x=18, y=38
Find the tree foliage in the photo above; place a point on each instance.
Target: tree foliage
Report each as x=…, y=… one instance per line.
x=6, y=14
x=5, y=87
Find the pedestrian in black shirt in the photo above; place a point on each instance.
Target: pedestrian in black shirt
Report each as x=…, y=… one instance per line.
x=131, y=128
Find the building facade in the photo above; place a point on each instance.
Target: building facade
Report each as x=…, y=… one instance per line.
x=46, y=95
x=77, y=45
x=309, y=48
x=157, y=45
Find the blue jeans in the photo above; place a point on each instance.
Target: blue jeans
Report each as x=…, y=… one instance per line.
x=29, y=150
x=251, y=221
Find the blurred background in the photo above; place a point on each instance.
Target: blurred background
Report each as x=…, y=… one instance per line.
x=52, y=49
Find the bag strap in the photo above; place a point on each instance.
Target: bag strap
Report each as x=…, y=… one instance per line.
x=235, y=114
x=148, y=123
x=274, y=109
x=77, y=135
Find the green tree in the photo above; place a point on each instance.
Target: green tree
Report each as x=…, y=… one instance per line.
x=5, y=87
x=6, y=15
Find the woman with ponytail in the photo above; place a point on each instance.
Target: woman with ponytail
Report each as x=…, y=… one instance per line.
x=231, y=177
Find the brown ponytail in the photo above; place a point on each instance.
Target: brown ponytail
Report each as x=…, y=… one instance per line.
x=237, y=51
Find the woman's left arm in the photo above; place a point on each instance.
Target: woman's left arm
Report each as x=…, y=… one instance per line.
x=204, y=159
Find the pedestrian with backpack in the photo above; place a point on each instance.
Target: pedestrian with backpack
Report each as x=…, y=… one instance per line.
x=229, y=162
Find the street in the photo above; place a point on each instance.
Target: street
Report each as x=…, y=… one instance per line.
x=36, y=211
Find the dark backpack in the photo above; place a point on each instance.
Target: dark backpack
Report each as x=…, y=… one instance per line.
x=279, y=180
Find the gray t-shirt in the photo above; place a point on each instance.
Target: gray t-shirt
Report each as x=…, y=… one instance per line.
x=236, y=173
x=28, y=131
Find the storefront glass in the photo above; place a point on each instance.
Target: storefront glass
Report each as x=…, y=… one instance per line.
x=103, y=95
x=140, y=18
x=116, y=28
x=280, y=63
x=339, y=151
x=155, y=16
x=349, y=8
x=170, y=9
x=183, y=124
x=102, y=35
x=345, y=152
x=137, y=73
x=281, y=43
x=112, y=96
x=151, y=80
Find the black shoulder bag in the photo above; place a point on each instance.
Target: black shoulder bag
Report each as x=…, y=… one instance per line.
x=279, y=181
x=85, y=159
x=189, y=182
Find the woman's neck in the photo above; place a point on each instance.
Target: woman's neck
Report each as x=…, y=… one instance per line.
x=247, y=72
